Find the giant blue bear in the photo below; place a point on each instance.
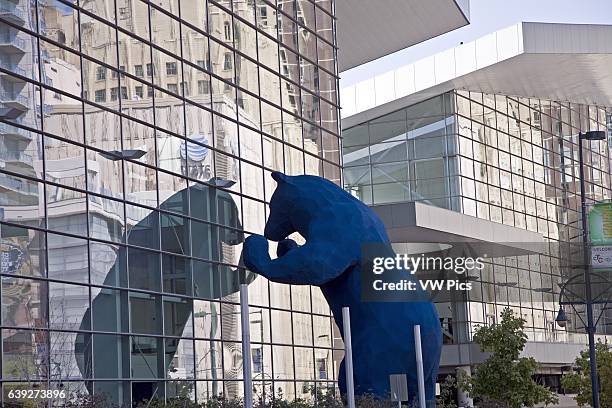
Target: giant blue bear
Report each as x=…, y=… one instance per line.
x=335, y=225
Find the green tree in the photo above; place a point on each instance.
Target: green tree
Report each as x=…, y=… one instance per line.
x=579, y=380
x=448, y=389
x=504, y=379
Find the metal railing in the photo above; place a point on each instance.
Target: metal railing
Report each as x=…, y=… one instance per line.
x=19, y=70
x=7, y=97
x=21, y=186
x=12, y=9
x=16, y=156
x=17, y=42
x=6, y=129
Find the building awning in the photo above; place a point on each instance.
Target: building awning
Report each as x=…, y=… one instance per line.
x=552, y=353
x=414, y=222
x=562, y=62
x=367, y=30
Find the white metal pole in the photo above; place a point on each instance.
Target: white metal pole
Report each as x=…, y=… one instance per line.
x=419, y=361
x=348, y=357
x=246, y=346
x=398, y=387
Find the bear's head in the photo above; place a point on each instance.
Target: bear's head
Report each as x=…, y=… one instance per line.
x=282, y=207
x=296, y=202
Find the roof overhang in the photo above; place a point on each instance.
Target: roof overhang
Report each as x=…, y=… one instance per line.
x=563, y=62
x=548, y=354
x=410, y=223
x=367, y=30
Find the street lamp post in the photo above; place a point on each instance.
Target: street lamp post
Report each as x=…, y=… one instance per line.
x=592, y=135
x=562, y=319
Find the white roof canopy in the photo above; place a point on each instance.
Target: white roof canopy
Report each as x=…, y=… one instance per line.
x=368, y=29
x=416, y=222
x=564, y=62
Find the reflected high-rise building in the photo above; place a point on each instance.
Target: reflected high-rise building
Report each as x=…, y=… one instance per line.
x=137, y=141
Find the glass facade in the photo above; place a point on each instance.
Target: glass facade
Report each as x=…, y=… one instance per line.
x=136, y=144
x=408, y=155
x=505, y=159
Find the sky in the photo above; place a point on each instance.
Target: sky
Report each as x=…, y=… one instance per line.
x=487, y=16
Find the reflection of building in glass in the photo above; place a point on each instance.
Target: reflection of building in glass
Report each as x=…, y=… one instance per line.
x=136, y=143
x=506, y=167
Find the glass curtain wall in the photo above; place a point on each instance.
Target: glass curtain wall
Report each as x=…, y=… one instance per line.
x=136, y=144
x=519, y=166
x=408, y=155
x=505, y=159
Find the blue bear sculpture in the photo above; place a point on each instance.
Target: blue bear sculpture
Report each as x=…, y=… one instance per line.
x=335, y=225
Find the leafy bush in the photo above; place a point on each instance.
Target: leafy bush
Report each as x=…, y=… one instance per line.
x=579, y=380
x=320, y=398
x=448, y=389
x=505, y=379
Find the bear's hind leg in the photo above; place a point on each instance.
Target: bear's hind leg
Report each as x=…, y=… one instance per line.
x=342, y=379
x=430, y=391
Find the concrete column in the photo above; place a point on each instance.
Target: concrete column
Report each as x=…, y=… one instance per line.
x=464, y=401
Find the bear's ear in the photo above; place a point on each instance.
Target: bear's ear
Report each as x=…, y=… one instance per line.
x=280, y=177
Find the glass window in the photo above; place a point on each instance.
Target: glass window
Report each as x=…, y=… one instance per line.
x=391, y=128
x=68, y=258
x=177, y=318
x=203, y=86
x=175, y=234
x=20, y=356
x=176, y=273
x=145, y=313
x=138, y=70
x=227, y=61
x=143, y=269
x=171, y=68
x=24, y=302
x=23, y=251
x=108, y=264
x=100, y=73
x=147, y=357
x=100, y=95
